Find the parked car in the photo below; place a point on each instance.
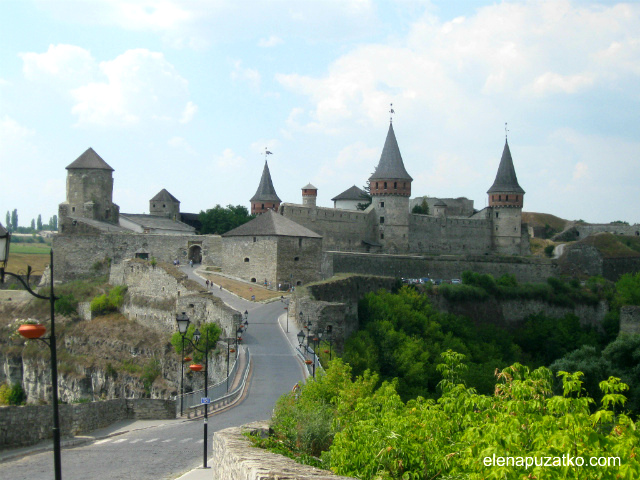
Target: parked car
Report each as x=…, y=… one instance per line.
x=456, y=281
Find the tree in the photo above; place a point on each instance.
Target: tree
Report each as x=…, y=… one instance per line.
x=53, y=223
x=14, y=219
x=366, y=197
x=219, y=220
x=39, y=222
x=8, y=221
x=33, y=224
x=422, y=209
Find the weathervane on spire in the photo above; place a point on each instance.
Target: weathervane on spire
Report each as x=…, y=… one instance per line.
x=506, y=130
x=266, y=152
x=391, y=112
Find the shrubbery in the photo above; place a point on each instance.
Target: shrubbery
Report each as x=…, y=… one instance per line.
x=12, y=394
x=109, y=302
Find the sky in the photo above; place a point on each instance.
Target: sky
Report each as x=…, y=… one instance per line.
x=187, y=95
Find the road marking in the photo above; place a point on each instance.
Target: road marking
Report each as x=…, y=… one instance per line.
x=103, y=441
x=168, y=440
x=200, y=441
x=152, y=440
x=185, y=440
x=136, y=440
x=121, y=440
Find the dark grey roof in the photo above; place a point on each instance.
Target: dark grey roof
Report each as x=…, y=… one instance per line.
x=103, y=226
x=265, y=191
x=89, y=159
x=440, y=203
x=391, y=165
x=308, y=186
x=506, y=180
x=351, y=193
x=156, y=222
x=164, y=196
x=271, y=223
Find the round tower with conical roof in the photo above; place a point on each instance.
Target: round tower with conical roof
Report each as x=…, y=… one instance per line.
x=390, y=187
x=89, y=190
x=506, y=199
x=265, y=197
x=164, y=204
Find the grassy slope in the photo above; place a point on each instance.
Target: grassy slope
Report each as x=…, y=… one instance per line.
x=615, y=246
x=541, y=219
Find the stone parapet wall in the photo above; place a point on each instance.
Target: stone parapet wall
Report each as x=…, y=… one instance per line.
x=236, y=458
x=430, y=234
x=26, y=425
x=630, y=320
x=525, y=269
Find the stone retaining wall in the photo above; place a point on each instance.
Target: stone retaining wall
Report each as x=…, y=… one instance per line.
x=235, y=457
x=630, y=320
x=26, y=425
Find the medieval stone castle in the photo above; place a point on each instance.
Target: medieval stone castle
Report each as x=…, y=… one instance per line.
x=291, y=243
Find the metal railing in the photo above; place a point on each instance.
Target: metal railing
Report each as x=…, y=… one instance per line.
x=216, y=392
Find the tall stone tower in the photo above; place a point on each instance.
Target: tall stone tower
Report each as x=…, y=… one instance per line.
x=506, y=199
x=309, y=195
x=390, y=187
x=266, y=197
x=89, y=190
x=165, y=205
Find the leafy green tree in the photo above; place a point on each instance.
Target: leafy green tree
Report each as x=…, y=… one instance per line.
x=366, y=197
x=8, y=221
x=14, y=219
x=422, y=209
x=627, y=290
x=219, y=220
x=210, y=331
x=39, y=223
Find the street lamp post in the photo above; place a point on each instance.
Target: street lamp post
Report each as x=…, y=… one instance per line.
x=329, y=332
x=286, y=307
x=194, y=344
x=5, y=239
x=316, y=341
x=183, y=324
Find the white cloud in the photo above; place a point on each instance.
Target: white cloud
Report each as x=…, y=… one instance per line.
x=580, y=170
x=247, y=75
x=139, y=85
x=228, y=160
x=66, y=64
x=554, y=83
x=271, y=41
x=189, y=112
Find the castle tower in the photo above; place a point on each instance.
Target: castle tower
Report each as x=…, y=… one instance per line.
x=89, y=190
x=440, y=208
x=309, y=195
x=506, y=199
x=165, y=205
x=390, y=187
x=265, y=197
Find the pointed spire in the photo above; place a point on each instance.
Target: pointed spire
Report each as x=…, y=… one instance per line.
x=89, y=160
x=391, y=165
x=265, y=191
x=506, y=179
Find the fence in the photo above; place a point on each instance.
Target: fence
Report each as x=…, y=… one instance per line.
x=218, y=393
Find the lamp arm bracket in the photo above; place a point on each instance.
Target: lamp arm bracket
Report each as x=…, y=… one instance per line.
x=24, y=283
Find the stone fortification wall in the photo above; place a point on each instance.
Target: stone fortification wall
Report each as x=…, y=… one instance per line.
x=298, y=260
x=445, y=267
x=250, y=260
x=513, y=312
x=614, y=268
x=456, y=207
x=75, y=419
x=437, y=235
x=630, y=320
x=235, y=457
x=342, y=230
x=335, y=303
x=76, y=255
x=156, y=293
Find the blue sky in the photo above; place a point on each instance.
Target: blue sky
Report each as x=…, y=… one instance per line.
x=186, y=95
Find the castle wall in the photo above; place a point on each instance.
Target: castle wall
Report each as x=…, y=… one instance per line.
x=392, y=219
x=76, y=255
x=444, y=266
x=456, y=207
x=251, y=258
x=298, y=260
x=630, y=320
x=437, y=235
x=156, y=293
x=507, y=230
x=342, y=230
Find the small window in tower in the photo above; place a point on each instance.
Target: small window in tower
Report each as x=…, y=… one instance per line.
x=381, y=220
x=73, y=209
x=299, y=242
x=497, y=214
x=376, y=185
x=154, y=205
x=493, y=198
x=263, y=206
x=517, y=198
x=382, y=236
x=253, y=280
x=404, y=185
x=246, y=259
x=385, y=185
x=507, y=198
x=381, y=204
x=254, y=239
x=395, y=185
x=164, y=205
x=296, y=259
x=499, y=198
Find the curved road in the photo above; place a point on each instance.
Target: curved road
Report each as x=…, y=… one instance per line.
x=167, y=451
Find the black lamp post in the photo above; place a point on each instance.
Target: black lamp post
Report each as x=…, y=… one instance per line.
x=183, y=324
x=5, y=239
x=205, y=351
x=300, y=336
x=316, y=341
x=329, y=332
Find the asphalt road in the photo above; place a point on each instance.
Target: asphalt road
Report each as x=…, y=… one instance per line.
x=166, y=452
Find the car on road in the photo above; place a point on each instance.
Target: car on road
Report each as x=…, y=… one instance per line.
x=456, y=281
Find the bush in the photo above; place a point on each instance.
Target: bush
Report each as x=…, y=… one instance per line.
x=66, y=304
x=110, y=302
x=548, y=250
x=12, y=395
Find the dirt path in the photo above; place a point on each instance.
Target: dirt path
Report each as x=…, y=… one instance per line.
x=242, y=289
